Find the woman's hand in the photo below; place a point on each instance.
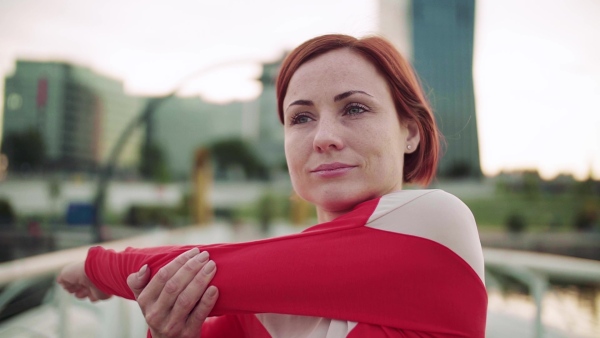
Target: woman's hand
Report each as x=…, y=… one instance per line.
x=177, y=300
x=73, y=279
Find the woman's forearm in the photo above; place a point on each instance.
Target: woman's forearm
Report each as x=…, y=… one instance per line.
x=354, y=273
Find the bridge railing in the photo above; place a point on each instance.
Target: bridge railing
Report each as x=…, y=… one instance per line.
x=537, y=270
x=64, y=316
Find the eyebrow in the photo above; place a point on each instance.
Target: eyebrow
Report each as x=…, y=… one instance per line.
x=349, y=93
x=336, y=98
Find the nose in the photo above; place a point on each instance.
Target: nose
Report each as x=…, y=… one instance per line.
x=328, y=135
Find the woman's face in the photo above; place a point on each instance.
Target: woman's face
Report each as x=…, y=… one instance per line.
x=344, y=142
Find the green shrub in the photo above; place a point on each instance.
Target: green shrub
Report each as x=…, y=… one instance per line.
x=7, y=214
x=143, y=215
x=515, y=223
x=586, y=218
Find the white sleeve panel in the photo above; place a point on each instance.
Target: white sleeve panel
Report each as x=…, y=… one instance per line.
x=435, y=215
x=294, y=326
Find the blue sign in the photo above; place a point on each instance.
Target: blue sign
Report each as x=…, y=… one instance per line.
x=81, y=214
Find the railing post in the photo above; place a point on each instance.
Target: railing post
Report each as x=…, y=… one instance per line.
x=111, y=319
x=538, y=287
x=63, y=300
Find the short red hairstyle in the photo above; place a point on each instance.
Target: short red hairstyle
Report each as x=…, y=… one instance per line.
x=409, y=99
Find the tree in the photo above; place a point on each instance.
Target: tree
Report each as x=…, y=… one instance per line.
x=266, y=211
x=516, y=223
x=8, y=216
x=588, y=187
x=25, y=150
x=232, y=153
x=531, y=184
x=153, y=163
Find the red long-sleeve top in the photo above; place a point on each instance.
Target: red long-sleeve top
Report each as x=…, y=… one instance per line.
x=408, y=264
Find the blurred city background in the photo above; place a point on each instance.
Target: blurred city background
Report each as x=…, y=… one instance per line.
x=127, y=118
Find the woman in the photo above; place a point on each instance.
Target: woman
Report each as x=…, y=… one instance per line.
x=382, y=262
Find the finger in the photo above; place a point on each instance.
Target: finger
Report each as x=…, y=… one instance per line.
x=154, y=288
x=179, y=282
x=70, y=288
x=92, y=298
x=137, y=281
x=99, y=295
x=193, y=292
x=82, y=293
x=203, y=309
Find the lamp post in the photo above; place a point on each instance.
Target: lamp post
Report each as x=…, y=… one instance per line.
x=142, y=119
x=107, y=171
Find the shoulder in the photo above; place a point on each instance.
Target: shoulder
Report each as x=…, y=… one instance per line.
x=435, y=201
x=435, y=215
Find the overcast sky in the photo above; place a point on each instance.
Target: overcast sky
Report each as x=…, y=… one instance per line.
x=537, y=72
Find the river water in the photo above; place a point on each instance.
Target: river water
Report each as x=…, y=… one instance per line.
x=567, y=311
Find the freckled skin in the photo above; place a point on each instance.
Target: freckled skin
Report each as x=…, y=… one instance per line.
x=362, y=130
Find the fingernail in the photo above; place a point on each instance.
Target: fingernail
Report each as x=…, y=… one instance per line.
x=202, y=257
x=211, y=291
x=193, y=252
x=142, y=271
x=209, y=268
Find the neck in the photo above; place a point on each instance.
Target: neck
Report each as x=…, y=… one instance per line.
x=324, y=215
x=327, y=215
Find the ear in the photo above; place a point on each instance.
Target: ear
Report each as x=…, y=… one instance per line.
x=413, y=137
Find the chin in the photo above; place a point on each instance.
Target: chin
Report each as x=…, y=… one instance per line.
x=340, y=199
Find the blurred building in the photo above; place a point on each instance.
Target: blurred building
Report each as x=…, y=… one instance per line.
x=270, y=138
x=437, y=36
x=180, y=126
x=78, y=113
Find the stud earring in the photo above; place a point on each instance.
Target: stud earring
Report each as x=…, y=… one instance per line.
x=409, y=147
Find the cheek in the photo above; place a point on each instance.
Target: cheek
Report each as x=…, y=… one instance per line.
x=387, y=153
x=297, y=153
x=379, y=142
x=295, y=172
x=293, y=158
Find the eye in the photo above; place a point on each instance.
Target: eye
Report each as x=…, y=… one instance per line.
x=300, y=118
x=355, y=109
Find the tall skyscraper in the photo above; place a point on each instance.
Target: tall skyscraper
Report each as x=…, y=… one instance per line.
x=437, y=36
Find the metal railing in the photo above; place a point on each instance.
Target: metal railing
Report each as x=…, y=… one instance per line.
x=536, y=270
x=119, y=318
x=62, y=315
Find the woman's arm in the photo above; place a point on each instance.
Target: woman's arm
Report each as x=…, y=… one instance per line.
x=341, y=270
x=180, y=307
x=180, y=304
x=74, y=280
x=361, y=274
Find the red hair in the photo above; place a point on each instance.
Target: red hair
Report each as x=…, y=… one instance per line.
x=407, y=94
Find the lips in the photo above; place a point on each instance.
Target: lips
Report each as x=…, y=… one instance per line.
x=331, y=166
x=336, y=169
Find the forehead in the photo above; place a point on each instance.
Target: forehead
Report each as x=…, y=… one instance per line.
x=335, y=71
